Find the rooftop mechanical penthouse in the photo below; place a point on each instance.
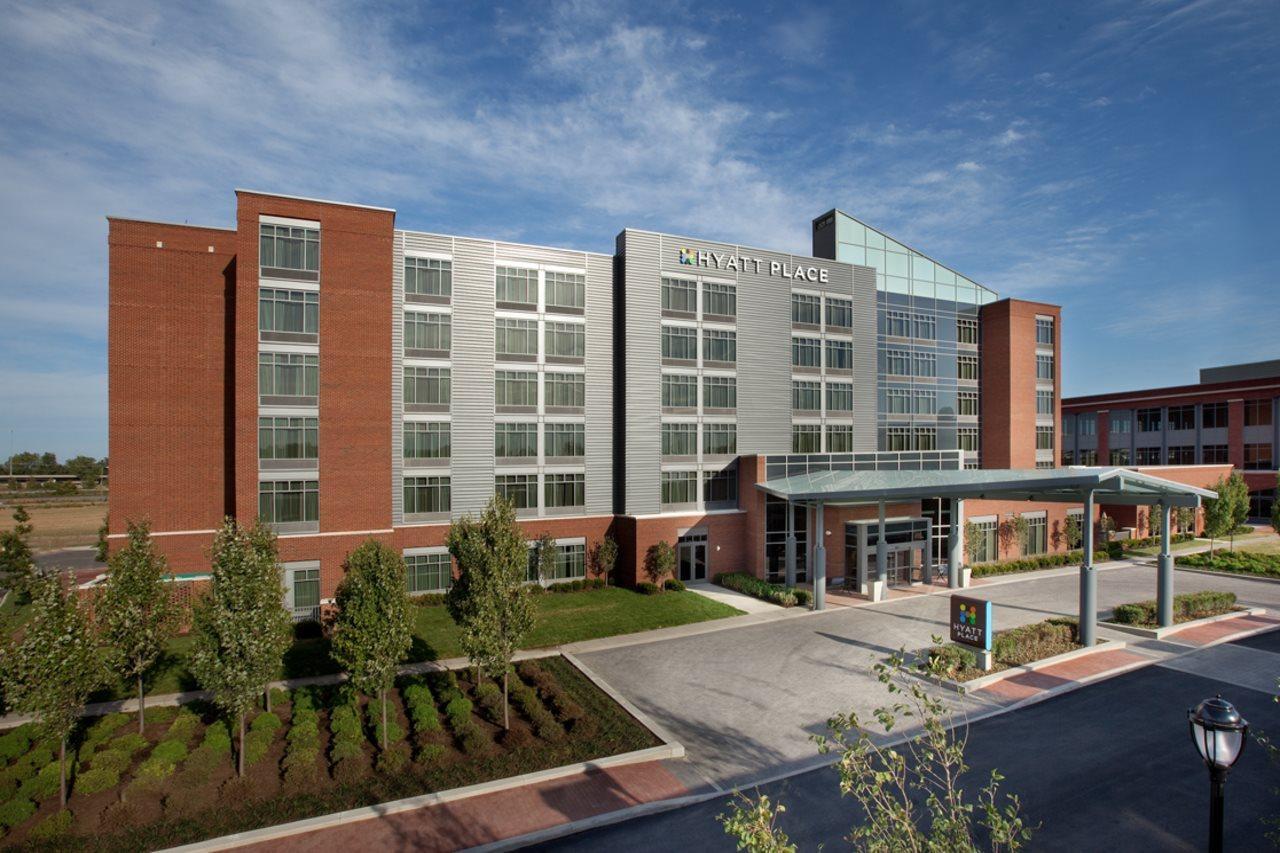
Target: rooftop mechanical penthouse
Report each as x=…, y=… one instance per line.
x=342, y=378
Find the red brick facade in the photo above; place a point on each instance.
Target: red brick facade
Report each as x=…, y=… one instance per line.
x=1008, y=381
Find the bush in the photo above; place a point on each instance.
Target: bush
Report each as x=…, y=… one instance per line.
x=803, y=597
x=279, y=697
x=1031, y=564
x=394, y=732
x=266, y=721
x=1148, y=541
x=394, y=758
x=544, y=724
x=474, y=741
x=217, y=738
x=14, y=743
x=114, y=760
x=43, y=785
x=130, y=743
x=566, y=709
x=421, y=708
x=1039, y=640
x=515, y=738
x=184, y=726
x=163, y=760
x=756, y=588
x=459, y=712
x=648, y=588
x=430, y=752
x=54, y=826
x=344, y=721
x=1236, y=562
x=96, y=779
x=256, y=744
x=1188, y=606
x=673, y=584
x=159, y=714
x=16, y=811
x=489, y=695
x=953, y=658
x=104, y=727
x=430, y=599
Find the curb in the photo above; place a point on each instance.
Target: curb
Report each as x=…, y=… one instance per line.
x=965, y=687
x=1169, y=630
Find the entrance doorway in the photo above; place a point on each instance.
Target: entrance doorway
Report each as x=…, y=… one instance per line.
x=906, y=544
x=691, y=557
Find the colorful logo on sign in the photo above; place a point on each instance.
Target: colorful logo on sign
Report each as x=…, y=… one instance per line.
x=969, y=615
x=688, y=256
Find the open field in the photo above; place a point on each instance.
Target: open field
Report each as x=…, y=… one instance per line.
x=60, y=526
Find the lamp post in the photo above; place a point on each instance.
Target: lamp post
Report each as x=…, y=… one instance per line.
x=1219, y=733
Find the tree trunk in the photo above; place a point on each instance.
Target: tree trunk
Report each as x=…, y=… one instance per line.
x=240, y=757
x=142, y=706
x=506, y=713
x=382, y=694
x=62, y=770
x=267, y=693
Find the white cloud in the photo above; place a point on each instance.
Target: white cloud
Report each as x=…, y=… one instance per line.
x=1102, y=101
x=969, y=166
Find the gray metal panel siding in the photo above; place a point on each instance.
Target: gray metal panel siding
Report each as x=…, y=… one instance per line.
x=472, y=400
x=865, y=370
x=599, y=385
x=643, y=373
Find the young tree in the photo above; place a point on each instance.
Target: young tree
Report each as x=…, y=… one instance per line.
x=242, y=628
x=489, y=599
x=1239, y=492
x=1185, y=518
x=1218, y=514
x=17, y=567
x=1107, y=525
x=1155, y=521
x=136, y=608
x=1275, y=507
x=605, y=557
x=372, y=631
x=51, y=671
x=973, y=544
x=660, y=562
x=545, y=557
x=1073, y=530
x=101, y=551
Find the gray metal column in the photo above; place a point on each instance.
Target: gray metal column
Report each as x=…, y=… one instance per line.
x=1164, y=574
x=928, y=552
x=882, y=558
x=1088, y=579
x=809, y=541
x=820, y=561
x=791, y=545
x=954, y=544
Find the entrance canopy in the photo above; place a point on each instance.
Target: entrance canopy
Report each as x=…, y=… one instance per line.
x=1060, y=485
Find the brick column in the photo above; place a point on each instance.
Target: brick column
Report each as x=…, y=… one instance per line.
x=1104, y=437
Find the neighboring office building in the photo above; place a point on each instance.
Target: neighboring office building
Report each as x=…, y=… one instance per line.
x=1230, y=418
x=344, y=379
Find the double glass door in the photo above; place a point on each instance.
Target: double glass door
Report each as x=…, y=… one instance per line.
x=691, y=557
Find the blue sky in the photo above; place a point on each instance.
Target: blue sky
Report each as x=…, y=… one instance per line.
x=1116, y=158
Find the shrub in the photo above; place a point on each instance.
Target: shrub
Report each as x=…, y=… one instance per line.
x=429, y=752
x=217, y=738
x=349, y=769
x=163, y=760
x=344, y=721
x=256, y=744
x=1034, y=563
x=1191, y=605
x=104, y=727
x=96, y=779
x=430, y=599
x=113, y=760
x=159, y=714
x=394, y=732
x=16, y=811
x=673, y=585
x=515, y=738
x=474, y=741
x=184, y=726
x=803, y=597
x=14, y=743
x=566, y=709
x=43, y=785
x=1028, y=643
x=279, y=697
x=1236, y=562
x=648, y=588
x=130, y=743
x=544, y=724
x=39, y=755
x=756, y=588
x=459, y=712
x=393, y=758
x=954, y=658
x=54, y=826
x=266, y=721
x=421, y=707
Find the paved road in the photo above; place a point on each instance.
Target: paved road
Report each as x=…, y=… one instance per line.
x=1108, y=766
x=745, y=702
x=79, y=560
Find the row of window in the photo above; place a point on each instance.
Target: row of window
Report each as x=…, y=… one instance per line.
x=986, y=545
x=807, y=310
x=288, y=247
x=924, y=401
x=434, y=572
x=433, y=494
x=1257, y=457
x=718, y=487
x=900, y=362
x=432, y=386
x=680, y=391
x=807, y=352
x=681, y=343
x=289, y=311
x=513, y=337
x=681, y=296
x=432, y=440
x=1177, y=418
x=514, y=287
x=900, y=324
x=807, y=438
x=808, y=396
x=681, y=439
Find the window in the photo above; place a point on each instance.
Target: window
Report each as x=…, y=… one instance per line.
x=1121, y=425
x=516, y=286
x=679, y=391
x=1181, y=455
x=720, y=487
x=899, y=401
x=679, y=487
x=898, y=438
x=1044, y=463
x=719, y=345
x=806, y=396
x=679, y=439
x=967, y=437
x=926, y=438
x=563, y=490
x=1257, y=457
x=806, y=309
x=806, y=438
x=899, y=362
x=1044, y=403
x=1068, y=457
x=679, y=295
x=515, y=440
x=985, y=550
x=428, y=277
x=520, y=489
x=839, y=355
x=719, y=299
x=288, y=374
x=1148, y=420
x=1044, y=368
x=288, y=247
x=1215, y=454
x=1087, y=424
x=303, y=593
x=1182, y=417
x=294, y=311
x=1037, y=536
x=1148, y=455
x=898, y=324
x=1090, y=457
x=1214, y=416
x=1119, y=456
x=570, y=562
x=806, y=352
x=428, y=572
x=564, y=390
x=839, y=438
x=288, y=438
x=925, y=326
x=839, y=397
x=966, y=331
x=515, y=337
x=426, y=494
x=426, y=386
x=1044, y=438
x=426, y=440
x=565, y=440
x=1257, y=413
x=924, y=363
x=839, y=313
x=289, y=501
x=719, y=439
x=566, y=290
x=967, y=367
x=1044, y=331
x=968, y=403
x=427, y=331
x=680, y=342
x=719, y=392
x=566, y=340
x=515, y=388
x=926, y=402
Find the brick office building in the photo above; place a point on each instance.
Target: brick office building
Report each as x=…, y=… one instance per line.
x=344, y=378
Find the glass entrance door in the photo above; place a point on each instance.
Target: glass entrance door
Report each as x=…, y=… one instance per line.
x=691, y=554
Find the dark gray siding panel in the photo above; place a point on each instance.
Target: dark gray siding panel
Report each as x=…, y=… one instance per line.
x=644, y=381
x=472, y=402
x=599, y=364
x=865, y=395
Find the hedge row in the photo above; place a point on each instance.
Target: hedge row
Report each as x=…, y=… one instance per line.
x=756, y=588
x=301, y=763
x=1236, y=562
x=566, y=709
x=1148, y=541
x=432, y=599
x=1031, y=564
x=1190, y=605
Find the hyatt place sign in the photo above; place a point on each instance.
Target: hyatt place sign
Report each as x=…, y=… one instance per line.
x=745, y=263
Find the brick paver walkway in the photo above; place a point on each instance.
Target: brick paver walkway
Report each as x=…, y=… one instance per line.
x=1202, y=635
x=494, y=817
x=1018, y=687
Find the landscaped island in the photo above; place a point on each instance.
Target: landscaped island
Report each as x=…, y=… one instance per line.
x=1013, y=647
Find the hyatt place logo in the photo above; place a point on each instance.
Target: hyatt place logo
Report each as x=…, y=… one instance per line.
x=734, y=263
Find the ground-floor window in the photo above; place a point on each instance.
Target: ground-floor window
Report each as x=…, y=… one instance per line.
x=428, y=572
x=984, y=549
x=1261, y=503
x=1037, y=536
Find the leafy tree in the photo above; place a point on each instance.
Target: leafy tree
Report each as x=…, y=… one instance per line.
x=545, y=557
x=86, y=469
x=102, y=551
x=660, y=562
x=1074, y=532
x=1218, y=513
x=972, y=542
x=1107, y=525
x=1155, y=521
x=1185, y=518
x=1238, y=490
x=242, y=627
x=17, y=566
x=51, y=671
x=1275, y=507
x=136, y=608
x=372, y=632
x=605, y=557
x=751, y=822
x=1014, y=530
x=489, y=599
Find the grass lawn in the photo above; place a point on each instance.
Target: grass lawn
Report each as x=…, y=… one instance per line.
x=1153, y=550
x=559, y=618
x=60, y=526
x=1266, y=546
